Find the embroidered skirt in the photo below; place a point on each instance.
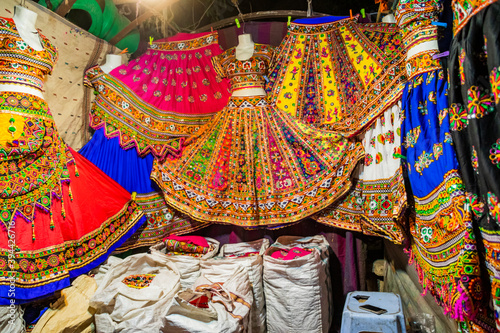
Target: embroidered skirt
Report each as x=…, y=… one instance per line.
x=443, y=246
x=132, y=172
x=338, y=75
x=475, y=126
x=61, y=215
x=160, y=98
x=253, y=165
x=375, y=204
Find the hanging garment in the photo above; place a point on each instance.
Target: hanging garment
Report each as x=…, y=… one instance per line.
x=475, y=121
x=337, y=74
x=443, y=246
x=376, y=203
x=132, y=172
x=144, y=110
x=162, y=97
x=62, y=216
x=253, y=165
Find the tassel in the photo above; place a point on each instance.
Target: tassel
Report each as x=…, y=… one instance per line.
x=33, y=230
x=52, y=226
x=76, y=171
x=70, y=193
x=63, y=212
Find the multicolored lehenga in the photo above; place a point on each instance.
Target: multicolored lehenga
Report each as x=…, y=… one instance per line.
x=334, y=73
x=337, y=74
x=253, y=165
x=144, y=110
x=475, y=121
x=376, y=203
x=61, y=216
x=443, y=246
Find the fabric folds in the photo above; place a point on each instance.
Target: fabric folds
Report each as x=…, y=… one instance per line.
x=338, y=75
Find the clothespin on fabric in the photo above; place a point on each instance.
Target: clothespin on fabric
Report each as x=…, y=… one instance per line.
x=350, y=13
x=237, y=23
x=150, y=40
x=439, y=24
x=363, y=14
x=441, y=55
x=125, y=50
x=383, y=7
x=289, y=20
x=211, y=29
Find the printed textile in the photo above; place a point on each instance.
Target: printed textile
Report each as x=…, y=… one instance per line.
x=475, y=127
x=161, y=220
x=339, y=75
x=53, y=227
x=157, y=100
x=443, y=246
x=375, y=204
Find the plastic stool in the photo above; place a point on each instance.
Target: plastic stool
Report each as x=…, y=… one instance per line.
x=355, y=320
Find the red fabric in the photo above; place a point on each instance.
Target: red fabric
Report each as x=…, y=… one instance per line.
x=196, y=240
x=289, y=254
x=96, y=198
x=181, y=82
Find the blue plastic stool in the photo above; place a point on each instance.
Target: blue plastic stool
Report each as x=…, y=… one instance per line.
x=355, y=320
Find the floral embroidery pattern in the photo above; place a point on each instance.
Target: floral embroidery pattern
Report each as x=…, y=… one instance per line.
x=458, y=117
x=426, y=234
x=495, y=83
x=424, y=161
x=437, y=149
x=474, y=160
x=476, y=205
x=494, y=206
x=442, y=114
x=479, y=103
x=138, y=281
x=495, y=153
x=412, y=137
x=368, y=159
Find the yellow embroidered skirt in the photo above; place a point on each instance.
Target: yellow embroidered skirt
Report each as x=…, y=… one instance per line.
x=337, y=75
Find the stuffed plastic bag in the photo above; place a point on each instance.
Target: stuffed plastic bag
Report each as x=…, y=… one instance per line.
x=249, y=256
x=188, y=266
x=134, y=295
x=298, y=289
x=212, y=307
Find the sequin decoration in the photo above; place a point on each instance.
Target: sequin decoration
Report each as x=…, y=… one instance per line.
x=138, y=281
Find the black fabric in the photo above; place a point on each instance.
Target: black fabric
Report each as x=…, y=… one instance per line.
x=474, y=95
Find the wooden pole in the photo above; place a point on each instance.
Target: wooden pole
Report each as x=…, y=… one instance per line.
x=135, y=23
x=65, y=7
x=272, y=14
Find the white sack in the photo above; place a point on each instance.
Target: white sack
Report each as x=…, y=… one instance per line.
x=220, y=268
x=298, y=291
x=121, y=308
x=188, y=266
x=227, y=312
